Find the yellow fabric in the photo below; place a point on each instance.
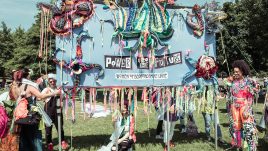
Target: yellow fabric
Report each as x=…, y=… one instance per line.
x=207, y=103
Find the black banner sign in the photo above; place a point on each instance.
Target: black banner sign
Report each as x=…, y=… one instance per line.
x=160, y=61
x=118, y=62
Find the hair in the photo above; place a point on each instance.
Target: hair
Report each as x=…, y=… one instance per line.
x=18, y=75
x=242, y=66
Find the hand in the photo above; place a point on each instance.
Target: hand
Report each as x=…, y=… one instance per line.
x=230, y=78
x=57, y=92
x=172, y=109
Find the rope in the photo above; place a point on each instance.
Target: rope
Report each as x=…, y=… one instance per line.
x=241, y=51
x=224, y=51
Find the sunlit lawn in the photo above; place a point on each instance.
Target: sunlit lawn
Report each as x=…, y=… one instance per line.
x=92, y=133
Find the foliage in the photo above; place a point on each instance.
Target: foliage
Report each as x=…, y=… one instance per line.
x=245, y=35
x=6, y=46
x=25, y=49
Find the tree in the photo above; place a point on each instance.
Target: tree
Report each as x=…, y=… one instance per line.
x=6, y=47
x=245, y=35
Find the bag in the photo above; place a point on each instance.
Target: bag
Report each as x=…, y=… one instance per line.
x=23, y=116
x=32, y=118
x=3, y=122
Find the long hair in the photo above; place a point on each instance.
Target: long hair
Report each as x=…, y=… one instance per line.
x=242, y=66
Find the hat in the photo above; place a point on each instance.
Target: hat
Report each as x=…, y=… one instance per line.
x=76, y=69
x=51, y=76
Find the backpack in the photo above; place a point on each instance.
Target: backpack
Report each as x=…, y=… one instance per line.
x=3, y=122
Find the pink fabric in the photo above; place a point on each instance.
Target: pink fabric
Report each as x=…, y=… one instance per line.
x=3, y=122
x=21, y=110
x=132, y=128
x=238, y=141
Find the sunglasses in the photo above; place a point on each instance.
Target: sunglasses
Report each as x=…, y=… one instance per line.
x=52, y=81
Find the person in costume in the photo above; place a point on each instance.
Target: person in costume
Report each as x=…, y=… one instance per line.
x=30, y=135
x=242, y=122
x=51, y=109
x=125, y=126
x=207, y=107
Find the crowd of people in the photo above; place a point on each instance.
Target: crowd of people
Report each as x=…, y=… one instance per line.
x=24, y=132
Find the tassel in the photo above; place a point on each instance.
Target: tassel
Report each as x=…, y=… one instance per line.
x=136, y=104
x=66, y=105
x=177, y=98
x=172, y=92
x=73, y=104
x=94, y=98
x=132, y=128
x=83, y=99
x=111, y=97
x=105, y=99
x=144, y=98
x=122, y=98
x=130, y=93
x=115, y=99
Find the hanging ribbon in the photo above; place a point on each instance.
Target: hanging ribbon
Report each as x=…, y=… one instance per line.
x=105, y=99
x=73, y=103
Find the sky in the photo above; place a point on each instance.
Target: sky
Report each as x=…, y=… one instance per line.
x=17, y=13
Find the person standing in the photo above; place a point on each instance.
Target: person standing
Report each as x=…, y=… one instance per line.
x=242, y=122
x=51, y=109
x=207, y=107
x=30, y=135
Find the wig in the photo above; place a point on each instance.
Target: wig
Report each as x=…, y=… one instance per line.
x=242, y=66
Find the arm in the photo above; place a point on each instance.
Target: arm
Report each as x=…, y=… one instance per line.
x=228, y=81
x=39, y=95
x=126, y=136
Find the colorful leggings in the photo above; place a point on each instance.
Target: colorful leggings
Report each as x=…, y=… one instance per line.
x=243, y=121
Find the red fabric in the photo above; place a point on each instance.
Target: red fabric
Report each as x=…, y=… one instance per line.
x=21, y=110
x=78, y=51
x=132, y=128
x=206, y=67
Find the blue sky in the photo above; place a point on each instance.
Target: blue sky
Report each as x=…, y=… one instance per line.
x=17, y=13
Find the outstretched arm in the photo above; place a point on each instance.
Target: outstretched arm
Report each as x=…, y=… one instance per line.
x=41, y=96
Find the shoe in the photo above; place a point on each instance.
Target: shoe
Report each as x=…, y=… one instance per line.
x=64, y=145
x=50, y=147
x=209, y=138
x=158, y=137
x=183, y=130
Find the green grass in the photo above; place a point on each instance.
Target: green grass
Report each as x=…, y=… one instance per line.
x=91, y=134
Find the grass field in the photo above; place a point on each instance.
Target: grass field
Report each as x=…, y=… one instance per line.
x=91, y=134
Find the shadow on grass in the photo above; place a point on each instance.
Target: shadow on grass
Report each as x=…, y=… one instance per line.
x=143, y=139
x=225, y=124
x=223, y=110
x=86, y=141
x=262, y=146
